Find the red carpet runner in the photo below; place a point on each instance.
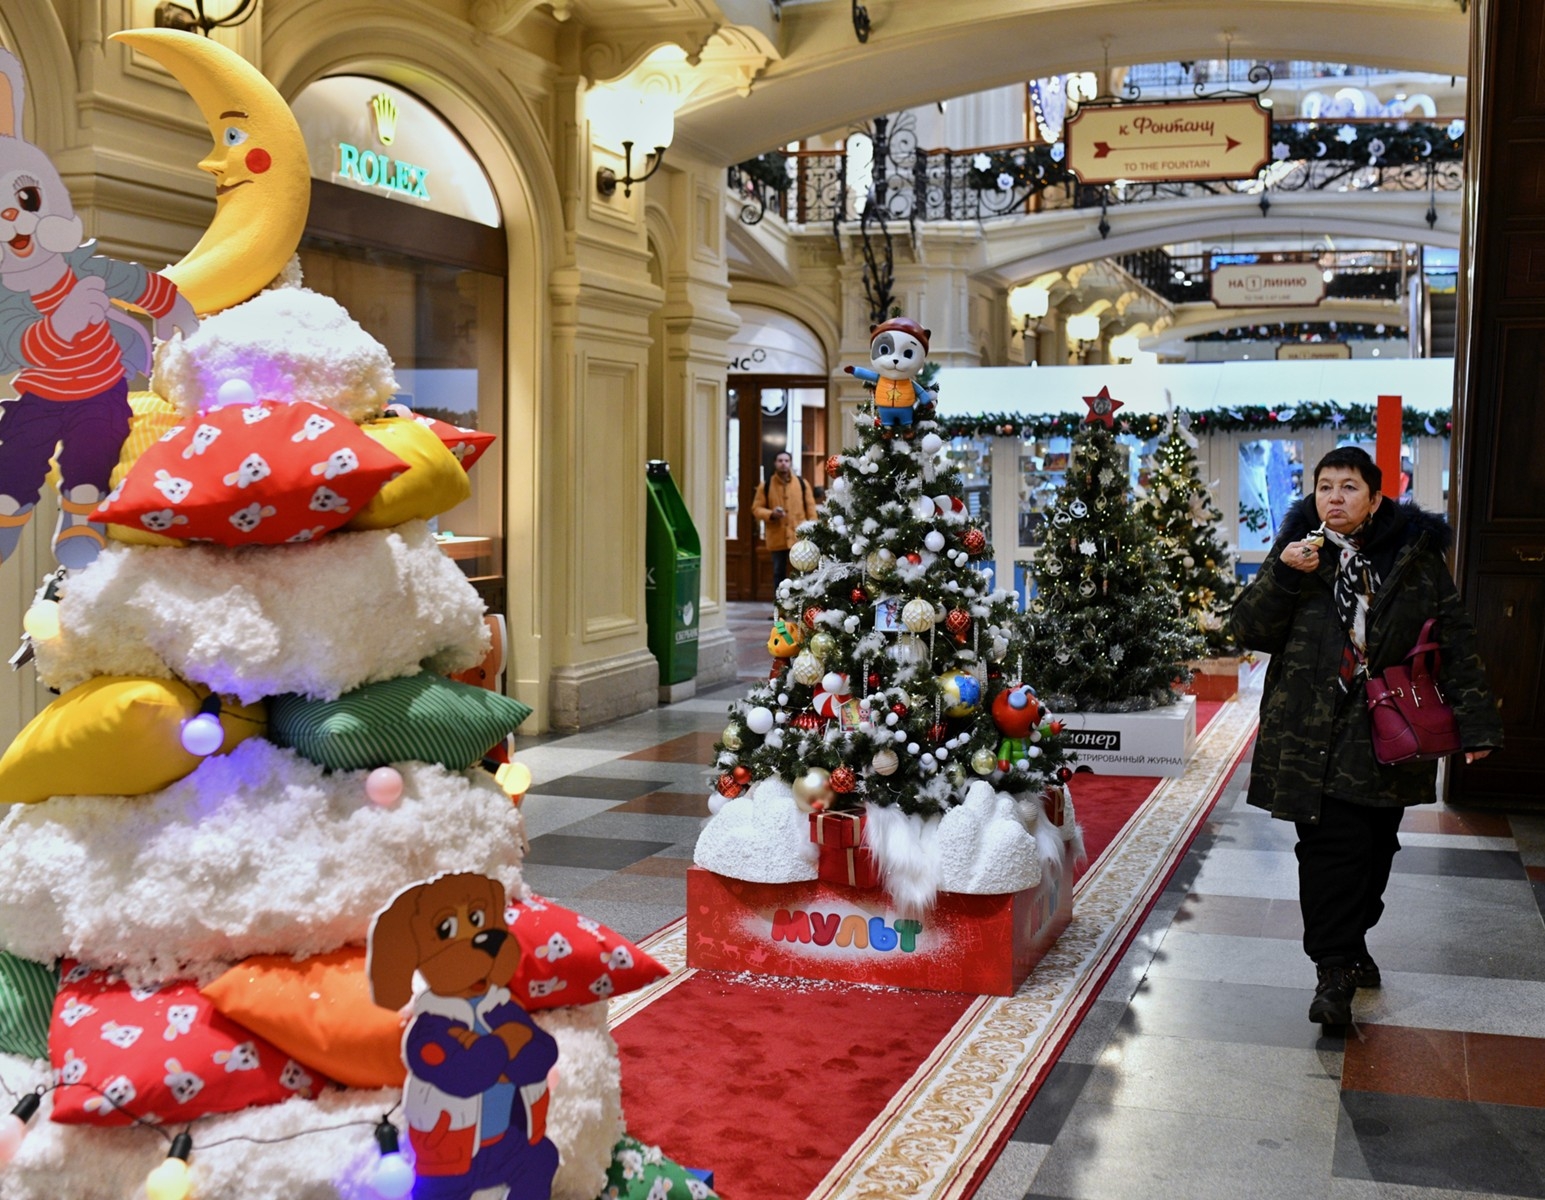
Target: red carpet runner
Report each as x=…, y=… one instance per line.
x=770, y=1081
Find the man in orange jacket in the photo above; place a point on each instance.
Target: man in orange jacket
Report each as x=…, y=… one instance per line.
x=783, y=502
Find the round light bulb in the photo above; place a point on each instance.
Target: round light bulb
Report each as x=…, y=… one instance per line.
x=202, y=735
x=384, y=786
x=393, y=1177
x=169, y=1181
x=42, y=621
x=234, y=391
x=12, y=1130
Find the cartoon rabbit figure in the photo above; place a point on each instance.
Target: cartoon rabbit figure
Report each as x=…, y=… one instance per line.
x=72, y=351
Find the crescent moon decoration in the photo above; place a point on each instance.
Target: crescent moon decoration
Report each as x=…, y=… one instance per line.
x=1426, y=148
x=262, y=174
x=1319, y=149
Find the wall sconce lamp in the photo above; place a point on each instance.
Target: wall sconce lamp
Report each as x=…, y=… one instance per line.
x=1125, y=346
x=179, y=16
x=1083, y=331
x=634, y=118
x=1027, y=305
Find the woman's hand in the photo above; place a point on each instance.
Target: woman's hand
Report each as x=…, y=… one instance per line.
x=1475, y=755
x=1302, y=556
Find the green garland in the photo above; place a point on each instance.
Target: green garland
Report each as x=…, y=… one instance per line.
x=1246, y=418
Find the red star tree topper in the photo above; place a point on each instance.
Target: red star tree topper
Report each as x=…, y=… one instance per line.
x=1102, y=407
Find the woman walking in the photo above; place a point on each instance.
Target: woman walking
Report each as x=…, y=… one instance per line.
x=1343, y=595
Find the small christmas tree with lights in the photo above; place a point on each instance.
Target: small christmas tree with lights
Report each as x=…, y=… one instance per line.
x=1107, y=629
x=1199, y=565
x=897, y=667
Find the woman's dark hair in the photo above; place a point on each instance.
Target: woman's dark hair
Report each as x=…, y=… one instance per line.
x=1357, y=459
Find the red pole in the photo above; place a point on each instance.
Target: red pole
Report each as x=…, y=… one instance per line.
x=1387, y=443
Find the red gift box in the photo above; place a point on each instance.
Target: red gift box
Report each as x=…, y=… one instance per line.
x=852, y=865
x=1054, y=801
x=837, y=830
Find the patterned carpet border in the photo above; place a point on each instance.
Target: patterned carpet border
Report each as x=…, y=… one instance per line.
x=942, y=1130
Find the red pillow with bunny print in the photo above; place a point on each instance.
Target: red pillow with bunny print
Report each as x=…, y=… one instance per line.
x=466, y=444
x=253, y=475
x=567, y=960
x=161, y=1054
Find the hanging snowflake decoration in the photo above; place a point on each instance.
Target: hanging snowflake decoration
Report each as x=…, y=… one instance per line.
x=981, y=162
x=1456, y=129
x=1279, y=150
x=1346, y=135
x=1107, y=476
x=1117, y=653
x=1005, y=182
x=1087, y=546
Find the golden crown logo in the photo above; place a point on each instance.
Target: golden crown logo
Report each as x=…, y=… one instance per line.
x=385, y=110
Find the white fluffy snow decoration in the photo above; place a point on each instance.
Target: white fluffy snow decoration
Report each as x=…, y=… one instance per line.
x=289, y=344
x=584, y=1119
x=904, y=847
x=257, y=622
x=256, y=852
x=85, y=1162
x=985, y=847
x=760, y=837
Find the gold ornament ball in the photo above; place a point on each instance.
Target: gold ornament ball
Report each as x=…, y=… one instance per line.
x=917, y=615
x=822, y=645
x=731, y=738
x=984, y=761
x=880, y=564
x=807, y=668
x=884, y=762
x=813, y=790
x=804, y=555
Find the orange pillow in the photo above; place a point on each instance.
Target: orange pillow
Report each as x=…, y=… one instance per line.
x=317, y=1011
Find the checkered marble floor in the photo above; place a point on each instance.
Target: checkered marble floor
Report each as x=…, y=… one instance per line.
x=1197, y=1073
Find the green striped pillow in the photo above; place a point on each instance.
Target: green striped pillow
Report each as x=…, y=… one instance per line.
x=26, y=1003
x=423, y=718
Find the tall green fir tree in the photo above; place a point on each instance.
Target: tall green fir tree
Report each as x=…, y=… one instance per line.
x=1200, y=566
x=898, y=668
x=1106, y=627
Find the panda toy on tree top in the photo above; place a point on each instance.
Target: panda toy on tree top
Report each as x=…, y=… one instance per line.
x=898, y=349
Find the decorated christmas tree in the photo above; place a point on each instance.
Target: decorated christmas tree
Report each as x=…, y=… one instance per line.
x=1198, y=564
x=897, y=667
x=1106, y=628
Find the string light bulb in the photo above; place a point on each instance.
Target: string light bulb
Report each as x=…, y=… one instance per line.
x=13, y=1127
x=42, y=621
x=203, y=734
x=172, y=1180
x=393, y=1177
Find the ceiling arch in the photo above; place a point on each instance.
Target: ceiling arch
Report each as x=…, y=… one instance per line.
x=921, y=52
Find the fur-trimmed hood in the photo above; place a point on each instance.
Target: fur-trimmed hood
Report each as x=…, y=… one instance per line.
x=1395, y=524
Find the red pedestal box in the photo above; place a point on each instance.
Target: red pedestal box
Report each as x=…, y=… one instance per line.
x=1214, y=678
x=984, y=945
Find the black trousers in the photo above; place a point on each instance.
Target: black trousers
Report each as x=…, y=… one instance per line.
x=780, y=566
x=1343, y=868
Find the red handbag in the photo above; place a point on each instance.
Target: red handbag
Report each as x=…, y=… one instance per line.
x=1410, y=719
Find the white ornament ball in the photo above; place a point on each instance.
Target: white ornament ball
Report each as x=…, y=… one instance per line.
x=917, y=615
x=911, y=747
x=932, y=443
x=884, y=762
x=942, y=753
x=923, y=508
x=384, y=786
x=891, y=719
x=804, y=555
x=834, y=682
x=934, y=540
x=927, y=760
x=807, y=668
x=234, y=391
x=759, y=720
x=838, y=487
x=1188, y=562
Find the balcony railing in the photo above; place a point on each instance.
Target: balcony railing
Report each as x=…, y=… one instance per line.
x=1187, y=279
x=982, y=184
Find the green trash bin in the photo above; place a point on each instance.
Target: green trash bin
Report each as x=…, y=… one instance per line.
x=673, y=577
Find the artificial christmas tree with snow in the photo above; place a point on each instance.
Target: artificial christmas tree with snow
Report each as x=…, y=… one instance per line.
x=1199, y=565
x=875, y=732
x=1106, y=631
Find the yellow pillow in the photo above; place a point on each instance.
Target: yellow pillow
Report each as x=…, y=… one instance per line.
x=153, y=417
x=433, y=483
x=114, y=736
x=319, y=1012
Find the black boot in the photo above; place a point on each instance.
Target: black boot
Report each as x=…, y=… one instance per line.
x=1365, y=973
x=1332, y=1004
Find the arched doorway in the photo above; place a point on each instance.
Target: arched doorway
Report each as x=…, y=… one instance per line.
x=776, y=401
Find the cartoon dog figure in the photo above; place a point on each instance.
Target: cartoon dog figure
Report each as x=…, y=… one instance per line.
x=476, y=1096
x=898, y=348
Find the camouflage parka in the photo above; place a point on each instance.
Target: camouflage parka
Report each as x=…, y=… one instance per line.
x=1314, y=738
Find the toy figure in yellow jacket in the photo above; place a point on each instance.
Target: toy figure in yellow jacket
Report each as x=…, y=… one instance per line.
x=898, y=349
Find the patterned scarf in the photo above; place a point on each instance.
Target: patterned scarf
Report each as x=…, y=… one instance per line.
x=1356, y=583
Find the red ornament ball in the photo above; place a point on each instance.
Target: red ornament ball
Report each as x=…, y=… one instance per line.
x=1271, y=416
x=811, y=613
x=807, y=721
x=957, y=622
x=1064, y=773
x=937, y=732
x=900, y=710
x=742, y=774
x=974, y=541
x=914, y=557
x=874, y=679
x=843, y=779
x=727, y=786
x=859, y=596
x=834, y=465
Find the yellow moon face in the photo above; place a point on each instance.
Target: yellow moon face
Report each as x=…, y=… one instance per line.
x=262, y=174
